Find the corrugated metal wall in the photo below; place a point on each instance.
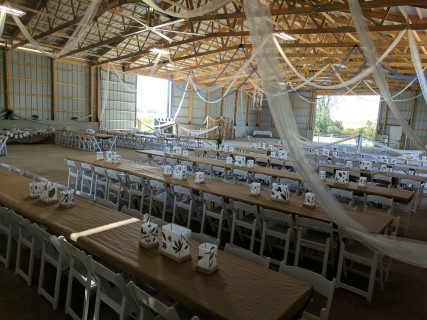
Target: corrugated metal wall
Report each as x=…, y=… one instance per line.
x=414, y=110
x=2, y=79
x=30, y=85
x=119, y=102
x=72, y=92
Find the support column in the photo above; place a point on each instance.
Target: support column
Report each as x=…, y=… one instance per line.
x=7, y=80
x=53, y=89
x=222, y=102
x=98, y=93
x=190, y=111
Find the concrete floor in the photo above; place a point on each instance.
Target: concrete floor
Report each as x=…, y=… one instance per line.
x=404, y=295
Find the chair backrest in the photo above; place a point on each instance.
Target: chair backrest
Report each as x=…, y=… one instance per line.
x=202, y=237
x=132, y=212
x=379, y=202
x=107, y=203
x=262, y=178
x=84, y=195
x=343, y=195
x=243, y=206
x=382, y=178
x=112, y=175
x=86, y=166
x=314, y=225
x=188, y=164
x=409, y=183
x=247, y=255
x=209, y=200
x=294, y=185
x=78, y=258
x=70, y=164
x=99, y=171
x=145, y=300
x=158, y=221
x=204, y=167
x=268, y=215
x=320, y=284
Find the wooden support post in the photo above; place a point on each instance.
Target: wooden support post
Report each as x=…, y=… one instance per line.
x=190, y=111
x=98, y=93
x=222, y=103
x=248, y=110
x=385, y=116
x=53, y=89
x=7, y=80
x=236, y=106
x=207, y=108
x=91, y=111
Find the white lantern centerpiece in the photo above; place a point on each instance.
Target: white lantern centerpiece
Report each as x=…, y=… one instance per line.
x=176, y=242
x=207, y=258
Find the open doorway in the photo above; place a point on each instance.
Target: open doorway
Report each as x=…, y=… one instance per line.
x=153, y=96
x=341, y=116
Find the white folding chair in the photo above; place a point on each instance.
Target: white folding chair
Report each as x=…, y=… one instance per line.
x=114, y=186
x=159, y=193
x=132, y=212
x=87, y=177
x=244, y=216
x=247, y=255
x=136, y=188
x=184, y=200
x=101, y=182
x=3, y=146
x=26, y=240
x=6, y=230
x=382, y=180
x=203, y=237
x=112, y=291
x=152, y=308
x=279, y=226
x=107, y=203
x=294, y=185
x=358, y=254
x=321, y=285
x=53, y=255
x=85, y=195
x=213, y=209
x=73, y=173
x=314, y=235
x=81, y=271
x=379, y=203
x=343, y=195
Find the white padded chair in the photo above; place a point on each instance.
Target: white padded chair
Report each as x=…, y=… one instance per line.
x=112, y=291
x=245, y=216
x=314, y=235
x=356, y=252
x=276, y=225
x=247, y=255
x=81, y=271
x=321, y=285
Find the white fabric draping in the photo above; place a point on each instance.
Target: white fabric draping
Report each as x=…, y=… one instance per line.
x=371, y=55
x=417, y=63
x=75, y=37
x=259, y=22
x=208, y=7
x=182, y=100
x=326, y=144
x=196, y=132
x=2, y=20
x=388, y=149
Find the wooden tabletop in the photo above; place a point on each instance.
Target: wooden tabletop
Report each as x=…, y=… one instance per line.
x=399, y=195
x=238, y=290
x=213, y=162
x=373, y=223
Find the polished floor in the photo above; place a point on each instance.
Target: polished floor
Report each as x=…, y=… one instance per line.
x=404, y=295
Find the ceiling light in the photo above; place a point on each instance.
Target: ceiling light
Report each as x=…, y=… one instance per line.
x=284, y=36
x=15, y=12
x=159, y=51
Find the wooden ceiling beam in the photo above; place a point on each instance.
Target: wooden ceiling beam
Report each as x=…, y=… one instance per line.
x=102, y=9
x=317, y=9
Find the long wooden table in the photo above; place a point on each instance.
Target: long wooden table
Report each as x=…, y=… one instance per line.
x=213, y=162
x=372, y=222
x=399, y=195
x=238, y=290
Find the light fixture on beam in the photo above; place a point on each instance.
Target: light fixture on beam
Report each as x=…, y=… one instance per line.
x=15, y=12
x=159, y=51
x=284, y=36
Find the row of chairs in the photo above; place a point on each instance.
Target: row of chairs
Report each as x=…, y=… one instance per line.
x=110, y=287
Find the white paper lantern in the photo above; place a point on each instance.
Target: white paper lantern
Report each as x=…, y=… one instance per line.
x=207, y=258
x=117, y=158
x=185, y=153
x=280, y=192
x=322, y=175
x=255, y=189
x=309, y=200
x=229, y=160
x=66, y=198
x=199, y=177
x=99, y=155
x=35, y=189
x=108, y=156
x=179, y=172
x=177, y=151
x=149, y=235
x=365, y=165
x=342, y=176
x=349, y=164
x=49, y=193
x=250, y=163
x=363, y=182
x=176, y=242
x=240, y=161
x=167, y=171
